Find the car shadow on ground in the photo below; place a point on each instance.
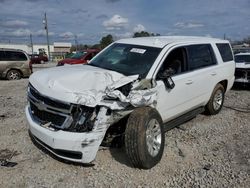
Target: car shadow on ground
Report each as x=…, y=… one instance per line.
x=119, y=154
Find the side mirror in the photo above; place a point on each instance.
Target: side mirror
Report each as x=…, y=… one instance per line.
x=169, y=83
x=167, y=79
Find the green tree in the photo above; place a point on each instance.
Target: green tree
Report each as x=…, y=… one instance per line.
x=144, y=34
x=105, y=41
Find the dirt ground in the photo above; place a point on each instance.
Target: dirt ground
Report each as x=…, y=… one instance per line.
x=208, y=151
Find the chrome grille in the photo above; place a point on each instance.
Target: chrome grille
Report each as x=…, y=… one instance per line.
x=45, y=110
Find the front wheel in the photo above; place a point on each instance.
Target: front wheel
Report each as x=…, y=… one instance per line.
x=144, y=138
x=216, y=101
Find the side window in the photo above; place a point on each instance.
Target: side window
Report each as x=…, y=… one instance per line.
x=174, y=63
x=2, y=56
x=15, y=56
x=225, y=52
x=200, y=56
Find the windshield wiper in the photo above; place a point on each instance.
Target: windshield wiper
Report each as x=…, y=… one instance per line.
x=92, y=65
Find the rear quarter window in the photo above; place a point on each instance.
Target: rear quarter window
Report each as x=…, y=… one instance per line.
x=225, y=52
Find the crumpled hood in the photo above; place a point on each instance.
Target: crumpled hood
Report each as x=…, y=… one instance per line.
x=79, y=84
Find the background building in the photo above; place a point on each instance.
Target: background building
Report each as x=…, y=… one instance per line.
x=57, y=49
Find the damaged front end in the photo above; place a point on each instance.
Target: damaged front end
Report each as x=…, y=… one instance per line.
x=74, y=131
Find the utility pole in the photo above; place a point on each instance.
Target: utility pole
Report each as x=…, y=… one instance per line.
x=76, y=43
x=45, y=22
x=31, y=43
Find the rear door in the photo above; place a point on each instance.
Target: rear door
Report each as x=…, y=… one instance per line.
x=202, y=64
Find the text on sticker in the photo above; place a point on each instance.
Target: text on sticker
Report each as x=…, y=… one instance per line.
x=138, y=50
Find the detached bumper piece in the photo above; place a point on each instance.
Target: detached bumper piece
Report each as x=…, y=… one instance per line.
x=242, y=75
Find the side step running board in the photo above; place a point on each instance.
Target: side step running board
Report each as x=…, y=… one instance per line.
x=182, y=119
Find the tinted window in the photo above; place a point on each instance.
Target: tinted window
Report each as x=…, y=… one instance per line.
x=225, y=52
x=200, y=56
x=2, y=58
x=174, y=63
x=15, y=56
x=242, y=58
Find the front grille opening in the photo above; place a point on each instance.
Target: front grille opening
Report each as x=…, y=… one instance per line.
x=45, y=117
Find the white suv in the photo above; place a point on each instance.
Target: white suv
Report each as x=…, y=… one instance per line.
x=135, y=89
x=242, y=71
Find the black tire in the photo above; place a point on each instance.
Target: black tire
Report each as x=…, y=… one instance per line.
x=13, y=75
x=216, y=100
x=136, y=140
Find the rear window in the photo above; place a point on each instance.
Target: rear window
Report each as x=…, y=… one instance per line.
x=15, y=56
x=225, y=52
x=242, y=58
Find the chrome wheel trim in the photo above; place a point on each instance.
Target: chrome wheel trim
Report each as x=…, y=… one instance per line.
x=13, y=75
x=153, y=137
x=218, y=99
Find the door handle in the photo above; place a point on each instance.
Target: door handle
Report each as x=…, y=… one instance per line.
x=189, y=82
x=213, y=73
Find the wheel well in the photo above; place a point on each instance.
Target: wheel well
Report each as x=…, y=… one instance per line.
x=224, y=84
x=115, y=134
x=16, y=70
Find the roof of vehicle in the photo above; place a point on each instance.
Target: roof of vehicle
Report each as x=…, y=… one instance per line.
x=11, y=49
x=161, y=41
x=242, y=53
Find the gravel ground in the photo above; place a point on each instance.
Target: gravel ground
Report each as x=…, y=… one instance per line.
x=208, y=151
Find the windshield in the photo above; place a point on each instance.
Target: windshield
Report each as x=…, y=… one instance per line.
x=127, y=59
x=242, y=58
x=78, y=55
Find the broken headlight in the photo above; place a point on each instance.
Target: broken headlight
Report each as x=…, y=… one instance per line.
x=83, y=119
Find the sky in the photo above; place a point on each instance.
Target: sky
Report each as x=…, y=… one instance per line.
x=88, y=21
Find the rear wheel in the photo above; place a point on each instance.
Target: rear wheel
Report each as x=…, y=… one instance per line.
x=144, y=138
x=13, y=75
x=216, y=101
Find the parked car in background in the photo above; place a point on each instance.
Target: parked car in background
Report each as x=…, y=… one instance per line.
x=81, y=57
x=38, y=59
x=242, y=70
x=14, y=64
x=135, y=90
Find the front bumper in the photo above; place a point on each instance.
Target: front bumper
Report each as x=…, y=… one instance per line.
x=77, y=147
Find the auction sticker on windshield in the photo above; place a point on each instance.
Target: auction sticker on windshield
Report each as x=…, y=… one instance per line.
x=138, y=50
